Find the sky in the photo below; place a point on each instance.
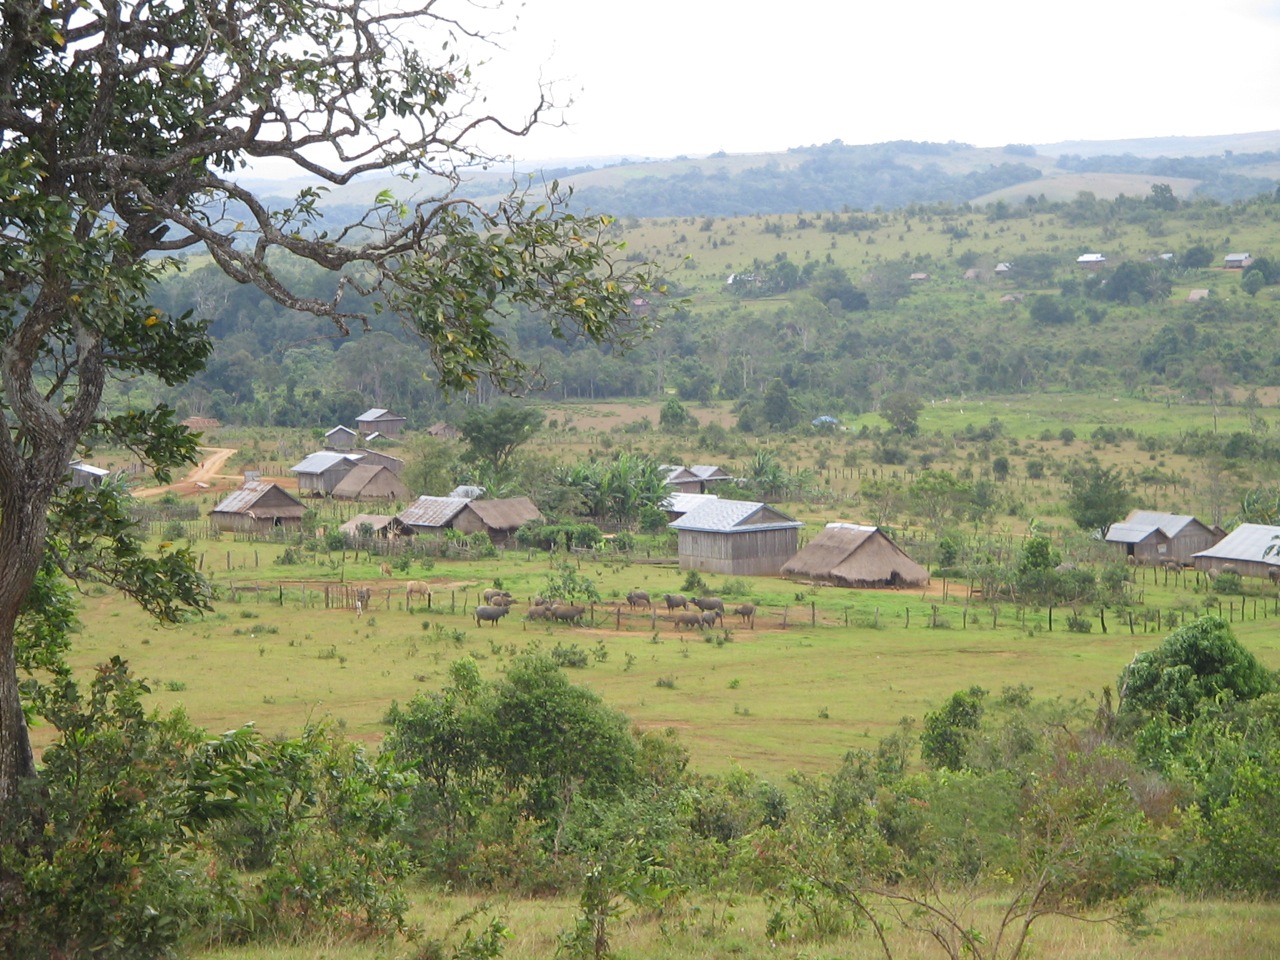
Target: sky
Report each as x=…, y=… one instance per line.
x=663, y=78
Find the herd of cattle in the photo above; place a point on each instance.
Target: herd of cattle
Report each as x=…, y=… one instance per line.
x=498, y=603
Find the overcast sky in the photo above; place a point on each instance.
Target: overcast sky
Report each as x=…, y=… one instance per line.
x=662, y=78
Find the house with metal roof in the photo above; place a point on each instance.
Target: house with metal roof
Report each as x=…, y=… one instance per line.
x=431, y=514
x=736, y=537
x=1151, y=537
x=320, y=472
x=340, y=438
x=854, y=555
x=86, y=474
x=1091, y=259
x=1237, y=261
x=378, y=420
x=259, y=506
x=693, y=479
x=676, y=505
x=1251, y=549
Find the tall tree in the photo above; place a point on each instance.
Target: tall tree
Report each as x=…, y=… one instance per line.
x=123, y=127
x=494, y=433
x=1099, y=497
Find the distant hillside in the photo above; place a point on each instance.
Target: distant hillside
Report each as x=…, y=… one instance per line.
x=838, y=176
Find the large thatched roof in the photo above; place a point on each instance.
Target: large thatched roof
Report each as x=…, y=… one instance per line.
x=850, y=555
x=506, y=514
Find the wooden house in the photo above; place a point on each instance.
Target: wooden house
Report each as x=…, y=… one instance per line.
x=1251, y=549
x=444, y=431
x=431, y=514
x=736, y=537
x=394, y=464
x=378, y=420
x=500, y=519
x=340, y=438
x=1152, y=537
x=86, y=474
x=320, y=472
x=258, y=507
x=852, y=555
x=694, y=479
x=1237, y=261
x=370, y=481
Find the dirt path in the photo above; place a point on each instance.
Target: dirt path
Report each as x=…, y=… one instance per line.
x=206, y=471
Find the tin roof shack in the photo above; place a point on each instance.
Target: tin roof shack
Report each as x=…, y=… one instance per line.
x=500, y=519
x=736, y=537
x=340, y=438
x=378, y=420
x=319, y=473
x=676, y=505
x=852, y=555
x=1244, y=550
x=258, y=507
x=1152, y=537
x=431, y=514
x=86, y=474
x=370, y=481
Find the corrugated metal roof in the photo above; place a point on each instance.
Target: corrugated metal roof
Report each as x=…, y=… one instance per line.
x=322, y=461
x=1170, y=523
x=373, y=413
x=1247, y=542
x=1130, y=532
x=242, y=500
x=684, y=502
x=432, y=511
x=728, y=516
x=707, y=472
x=339, y=429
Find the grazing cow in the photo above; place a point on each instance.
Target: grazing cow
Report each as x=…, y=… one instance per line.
x=688, y=620
x=1274, y=575
x=385, y=569
x=568, y=614
x=416, y=588
x=747, y=612
x=538, y=612
x=676, y=600
x=1131, y=560
x=709, y=617
x=491, y=614
x=709, y=603
x=638, y=598
x=492, y=594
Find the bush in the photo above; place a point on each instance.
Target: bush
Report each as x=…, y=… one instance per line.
x=1228, y=583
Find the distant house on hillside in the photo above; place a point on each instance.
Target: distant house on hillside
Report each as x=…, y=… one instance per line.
x=1237, y=261
x=444, y=431
x=852, y=555
x=1150, y=536
x=378, y=420
x=694, y=479
x=340, y=438
x=1091, y=260
x=736, y=537
x=431, y=514
x=1195, y=296
x=258, y=507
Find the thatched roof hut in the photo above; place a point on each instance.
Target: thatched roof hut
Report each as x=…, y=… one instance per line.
x=851, y=555
x=371, y=481
x=500, y=519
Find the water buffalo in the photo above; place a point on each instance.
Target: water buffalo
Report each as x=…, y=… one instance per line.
x=491, y=595
x=688, y=620
x=1274, y=575
x=638, y=598
x=709, y=603
x=709, y=617
x=491, y=614
x=746, y=611
x=569, y=614
x=676, y=600
x=538, y=612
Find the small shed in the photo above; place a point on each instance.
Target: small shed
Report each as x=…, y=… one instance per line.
x=1150, y=536
x=86, y=474
x=1246, y=549
x=320, y=472
x=852, y=555
x=1195, y=296
x=500, y=519
x=1237, y=261
x=1091, y=260
x=340, y=438
x=738, y=537
x=378, y=420
x=444, y=431
x=259, y=506
x=431, y=514
x=371, y=481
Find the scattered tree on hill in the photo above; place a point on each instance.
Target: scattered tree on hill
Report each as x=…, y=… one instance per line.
x=492, y=434
x=1099, y=497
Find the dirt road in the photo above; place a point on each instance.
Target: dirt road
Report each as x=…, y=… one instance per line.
x=206, y=471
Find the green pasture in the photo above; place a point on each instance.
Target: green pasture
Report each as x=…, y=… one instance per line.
x=734, y=927
x=823, y=671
